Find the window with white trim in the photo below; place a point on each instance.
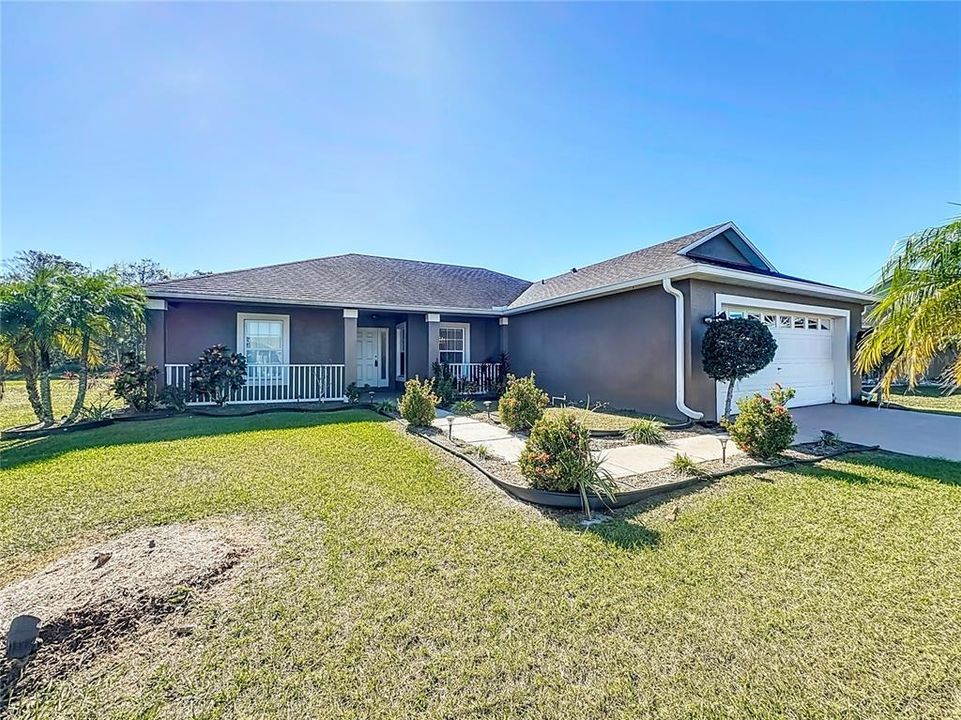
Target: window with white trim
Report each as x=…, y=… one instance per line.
x=263, y=339
x=454, y=343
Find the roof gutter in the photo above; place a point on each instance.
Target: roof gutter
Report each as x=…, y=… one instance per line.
x=679, y=351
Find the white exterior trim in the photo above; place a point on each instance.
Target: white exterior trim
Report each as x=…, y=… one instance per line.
x=462, y=326
x=679, y=351
x=350, y=313
x=432, y=317
x=241, y=342
x=399, y=348
x=503, y=321
x=840, y=337
x=155, y=304
x=720, y=231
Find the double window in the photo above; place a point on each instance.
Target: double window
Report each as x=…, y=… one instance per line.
x=454, y=343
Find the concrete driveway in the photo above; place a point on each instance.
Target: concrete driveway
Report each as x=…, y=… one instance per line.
x=902, y=431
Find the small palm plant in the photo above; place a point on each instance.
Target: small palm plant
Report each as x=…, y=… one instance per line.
x=682, y=464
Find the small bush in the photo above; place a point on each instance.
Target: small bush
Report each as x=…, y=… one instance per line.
x=683, y=465
x=386, y=406
x=352, y=393
x=557, y=457
x=217, y=373
x=418, y=403
x=464, y=407
x=645, y=431
x=444, y=386
x=136, y=383
x=734, y=349
x=101, y=408
x=522, y=403
x=763, y=427
x=174, y=398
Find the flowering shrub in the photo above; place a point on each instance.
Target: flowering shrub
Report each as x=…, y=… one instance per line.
x=522, y=403
x=418, y=403
x=763, y=426
x=557, y=457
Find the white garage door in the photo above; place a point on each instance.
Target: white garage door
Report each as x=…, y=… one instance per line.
x=803, y=361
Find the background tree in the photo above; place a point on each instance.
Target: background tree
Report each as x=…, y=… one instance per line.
x=918, y=315
x=735, y=349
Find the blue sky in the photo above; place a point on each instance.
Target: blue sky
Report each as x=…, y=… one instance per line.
x=525, y=138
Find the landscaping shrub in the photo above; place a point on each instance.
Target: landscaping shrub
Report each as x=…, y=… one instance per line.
x=136, y=383
x=763, y=427
x=217, y=373
x=734, y=349
x=683, y=465
x=464, y=407
x=444, y=386
x=522, y=403
x=418, y=403
x=645, y=431
x=174, y=398
x=352, y=393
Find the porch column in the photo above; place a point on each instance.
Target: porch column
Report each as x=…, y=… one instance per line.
x=433, y=339
x=350, y=346
x=155, y=319
x=505, y=345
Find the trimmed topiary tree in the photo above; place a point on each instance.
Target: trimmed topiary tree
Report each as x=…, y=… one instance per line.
x=522, y=403
x=735, y=349
x=763, y=427
x=217, y=373
x=418, y=403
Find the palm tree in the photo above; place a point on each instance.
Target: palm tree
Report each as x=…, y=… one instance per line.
x=96, y=306
x=918, y=315
x=33, y=326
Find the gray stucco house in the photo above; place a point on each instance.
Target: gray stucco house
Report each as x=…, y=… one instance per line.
x=627, y=330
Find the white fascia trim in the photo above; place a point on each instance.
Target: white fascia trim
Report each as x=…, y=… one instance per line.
x=702, y=271
x=350, y=313
x=172, y=295
x=723, y=229
x=155, y=304
x=842, y=342
x=679, y=351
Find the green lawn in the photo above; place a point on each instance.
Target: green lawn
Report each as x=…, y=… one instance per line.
x=607, y=419
x=928, y=398
x=15, y=408
x=396, y=586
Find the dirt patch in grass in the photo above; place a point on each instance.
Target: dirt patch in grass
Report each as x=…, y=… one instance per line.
x=93, y=600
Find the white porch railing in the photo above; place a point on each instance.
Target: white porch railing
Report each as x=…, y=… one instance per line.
x=274, y=384
x=475, y=378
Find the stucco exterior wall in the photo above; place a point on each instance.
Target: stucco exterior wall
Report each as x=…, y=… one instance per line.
x=316, y=334
x=618, y=349
x=699, y=303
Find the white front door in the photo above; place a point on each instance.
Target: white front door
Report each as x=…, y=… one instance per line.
x=372, y=357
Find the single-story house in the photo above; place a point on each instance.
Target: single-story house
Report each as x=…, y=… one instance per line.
x=626, y=331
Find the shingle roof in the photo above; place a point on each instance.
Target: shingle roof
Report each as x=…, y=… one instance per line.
x=361, y=280
x=633, y=265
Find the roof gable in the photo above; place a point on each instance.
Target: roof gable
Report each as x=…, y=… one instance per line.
x=727, y=244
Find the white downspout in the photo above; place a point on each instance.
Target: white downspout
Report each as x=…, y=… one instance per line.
x=679, y=351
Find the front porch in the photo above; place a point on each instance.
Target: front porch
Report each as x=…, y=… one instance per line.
x=304, y=354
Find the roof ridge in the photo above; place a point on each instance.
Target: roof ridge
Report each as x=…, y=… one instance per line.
x=635, y=251
x=340, y=255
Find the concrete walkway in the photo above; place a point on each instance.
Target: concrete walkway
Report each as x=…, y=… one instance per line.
x=903, y=431
x=619, y=462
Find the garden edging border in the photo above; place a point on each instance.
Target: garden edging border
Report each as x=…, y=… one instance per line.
x=572, y=501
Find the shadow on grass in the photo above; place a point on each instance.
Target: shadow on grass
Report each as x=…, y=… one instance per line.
x=946, y=472
x=14, y=453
